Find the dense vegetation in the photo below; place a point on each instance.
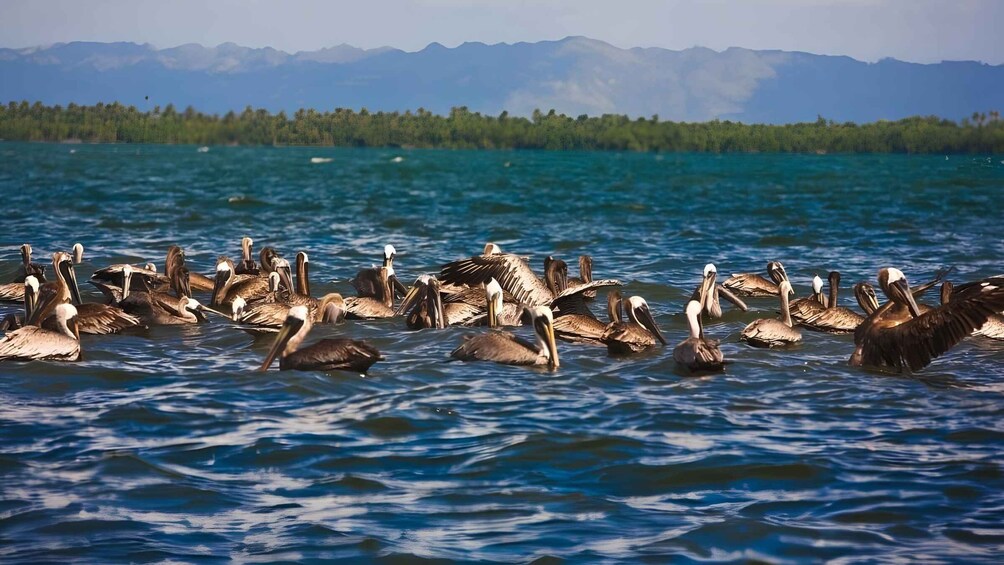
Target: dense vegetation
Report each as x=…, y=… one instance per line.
x=115, y=123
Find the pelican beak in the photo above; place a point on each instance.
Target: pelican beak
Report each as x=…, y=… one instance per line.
x=66, y=268
x=902, y=289
x=306, y=279
x=29, y=301
x=552, y=348
x=436, y=310
x=78, y=254
x=332, y=314
x=409, y=300
x=286, y=279
x=288, y=330
x=219, y=285
x=646, y=319
x=493, y=319
x=708, y=288
x=197, y=310
x=735, y=300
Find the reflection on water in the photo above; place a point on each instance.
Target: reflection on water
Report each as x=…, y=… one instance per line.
x=166, y=445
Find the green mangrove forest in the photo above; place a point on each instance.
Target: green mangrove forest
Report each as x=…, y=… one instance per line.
x=463, y=129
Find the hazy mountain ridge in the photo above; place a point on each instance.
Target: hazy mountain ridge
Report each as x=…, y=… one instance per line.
x=575, y=75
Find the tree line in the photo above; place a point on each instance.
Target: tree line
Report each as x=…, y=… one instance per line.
x=463, y=129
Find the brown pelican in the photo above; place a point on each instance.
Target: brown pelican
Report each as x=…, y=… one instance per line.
x=59, y=340
x=247, y=266
x=803, y=309
x=773, y=332
x=424, y=305
x=99, y=319
x=638, y=333
x=833, y=318
x=175, y=260
x=302, y=274
x=555, y=275
x=229, y=285
x=326, y=355
x=159, y=308
x=59, y=291
x=898, y=335
x=581, y=328
x=993, y=328
x=27, y=268
x=504, y=347
x=15, y=321
x=865, y=295
x=368, y=282
x=513, y=274
x=713, y=304
x=697, y=353
x=752, y=284
x=272, y=314
x=379, y=306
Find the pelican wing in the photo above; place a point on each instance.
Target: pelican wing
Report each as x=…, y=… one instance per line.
x=498, y=347
x=14, y=292
x=336, y=354
x=368, y=283
x=577, y=328
x=49, y=296
x=101, y=319
x=750, y=284
x=268, y=315
x=250, y=288
x=461, y=313
x=512, y=273
x=367, y=307
x=699, y=354
x=573, y=300
x=33, y=342
x=917, y=342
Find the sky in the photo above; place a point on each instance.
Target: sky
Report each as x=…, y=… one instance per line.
x=912, y=30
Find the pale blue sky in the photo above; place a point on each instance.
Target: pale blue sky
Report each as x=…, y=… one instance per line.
x=912, y=30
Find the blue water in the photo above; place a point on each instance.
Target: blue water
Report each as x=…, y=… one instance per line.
x=165, y=445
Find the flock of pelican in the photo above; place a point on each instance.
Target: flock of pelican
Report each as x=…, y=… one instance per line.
x=493, y=289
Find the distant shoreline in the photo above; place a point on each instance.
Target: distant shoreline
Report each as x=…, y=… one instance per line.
x=463, y=129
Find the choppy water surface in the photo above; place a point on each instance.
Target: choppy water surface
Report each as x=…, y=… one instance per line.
x=165, y=445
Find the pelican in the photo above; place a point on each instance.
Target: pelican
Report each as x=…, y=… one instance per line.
x=803, y=309
x=514, y=275
x=637, y=334
x=697, y=353
x=99, y=319
x=175, y=260
x=581, y=328
x=379, y=306
x=773, y=332
x=302, y=274
x=27, y=268
x=44, y=343
x=271, y=315
x=424, y=305
x=993, y=328
x=59, y=291
x=159, y=308
x=898, y=335
x=752, y=284
x=368, y=282
x=78, y=253
x=555, y=275
x=833, y=318
x=247, y=266
x=713, y=304
x=229, y=285
x=15, y=321
x=865, y=295
x=585, y=273
x=326, y=355
x=505, y=348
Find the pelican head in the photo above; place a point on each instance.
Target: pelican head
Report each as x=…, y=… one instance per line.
x=66, y=320
x=614, y=306
x=640, y=314
x=150, y=267
x=282, y=267
x=586, y=268
x=777, y=273
x=543, y=326
x=26, y=254
x=492, y=249
x=303, y=273
x=273, y=281
x=710, y=269
x=192, y=305
x=865, y=294
x=707, y=289
x=331, y=310
x=78, y=253
x=893, y=283
x=221, y=283
x=62, y=264
x=817, y=285
x=238, y=306
x=246, y=243
x=493, y=295
x=267, y=258
x=296, y=326
x=126, y=280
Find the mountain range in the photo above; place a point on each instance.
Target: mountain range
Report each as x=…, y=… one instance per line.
x=575, y=75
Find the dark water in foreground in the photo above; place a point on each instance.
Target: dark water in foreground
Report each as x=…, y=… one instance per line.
x=164, y=445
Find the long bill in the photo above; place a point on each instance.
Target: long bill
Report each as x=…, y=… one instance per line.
x=286, y=332
x=645, y=318
x=409, y=299
x=220, y=285
x=902, y=294
x=70, y=278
